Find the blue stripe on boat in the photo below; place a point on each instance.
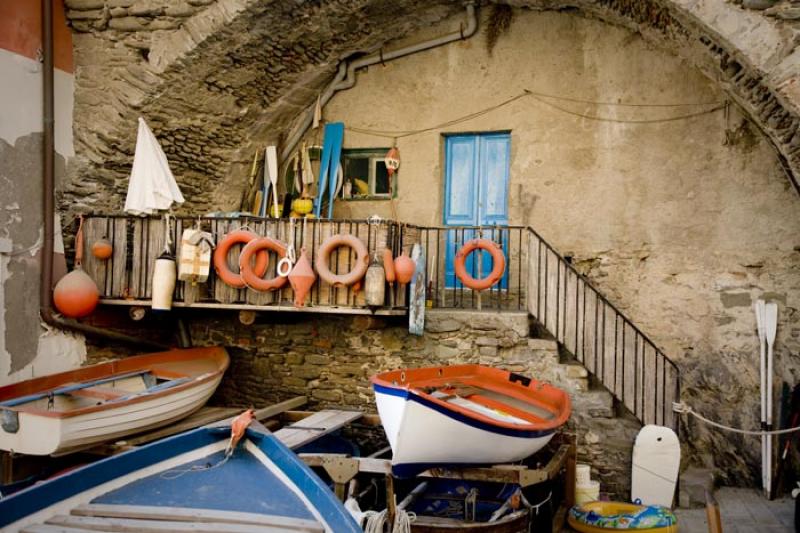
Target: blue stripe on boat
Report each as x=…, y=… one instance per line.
x=464, y=419
x=247, y=482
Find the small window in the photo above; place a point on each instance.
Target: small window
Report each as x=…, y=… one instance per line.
x=366, y=176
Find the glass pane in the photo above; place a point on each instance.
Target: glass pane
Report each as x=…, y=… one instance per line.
x=382, y=182
x=356, y=173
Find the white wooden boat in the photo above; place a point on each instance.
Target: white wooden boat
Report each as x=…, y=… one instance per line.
x=65, y=412
x=466, y=414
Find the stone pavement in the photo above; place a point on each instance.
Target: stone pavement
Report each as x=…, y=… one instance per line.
x=742, y=510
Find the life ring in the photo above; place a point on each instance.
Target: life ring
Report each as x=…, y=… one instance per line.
x=498, y=264
x=603, y=517
x=249, y=276
x=239, y=236
x=323, y=256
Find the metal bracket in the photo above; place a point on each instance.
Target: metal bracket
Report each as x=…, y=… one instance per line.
x=340, y=469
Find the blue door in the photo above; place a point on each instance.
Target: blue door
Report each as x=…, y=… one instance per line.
x=476, y=194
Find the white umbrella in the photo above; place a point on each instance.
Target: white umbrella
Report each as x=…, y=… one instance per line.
x=152, y=186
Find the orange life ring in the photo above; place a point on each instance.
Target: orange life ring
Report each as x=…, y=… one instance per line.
x=239, y=236
x=250, y=278
x=323, y=255
x=498, y=264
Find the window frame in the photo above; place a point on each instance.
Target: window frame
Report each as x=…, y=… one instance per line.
x=373, y=156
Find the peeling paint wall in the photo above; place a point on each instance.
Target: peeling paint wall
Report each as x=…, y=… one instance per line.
x=26, y=348
x=683, y=224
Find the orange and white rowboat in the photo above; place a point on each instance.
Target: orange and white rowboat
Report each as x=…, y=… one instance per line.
x=65, y=412
x=465, y=414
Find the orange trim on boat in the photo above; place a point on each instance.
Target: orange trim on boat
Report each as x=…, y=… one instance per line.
x=535, y=393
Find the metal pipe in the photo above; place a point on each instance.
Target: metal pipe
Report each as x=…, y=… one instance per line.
x=346, y=75
x=48, y=204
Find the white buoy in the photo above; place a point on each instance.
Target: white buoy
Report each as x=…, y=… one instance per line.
x=164, y=275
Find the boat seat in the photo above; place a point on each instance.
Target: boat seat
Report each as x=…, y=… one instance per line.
x=156, y=388
x=100, y=393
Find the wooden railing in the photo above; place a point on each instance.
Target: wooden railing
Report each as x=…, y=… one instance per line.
x=537, y=279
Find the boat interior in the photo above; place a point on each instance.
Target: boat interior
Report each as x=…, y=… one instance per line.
x=77, y=395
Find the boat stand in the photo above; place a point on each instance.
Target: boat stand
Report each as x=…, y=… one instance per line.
x=561, y=465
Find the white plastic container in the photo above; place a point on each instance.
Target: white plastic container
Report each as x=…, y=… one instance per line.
x=163, y=283
x=587, y=493
x=583, y=474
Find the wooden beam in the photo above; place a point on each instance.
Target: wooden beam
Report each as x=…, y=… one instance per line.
x=368, y=419
x=324, y=309
x=315, y=426
x=186, y=514
x=278, y=408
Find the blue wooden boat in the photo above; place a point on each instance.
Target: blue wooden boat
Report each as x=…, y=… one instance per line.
x=185, y=483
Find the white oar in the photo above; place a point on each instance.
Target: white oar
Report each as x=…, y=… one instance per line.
x=760, y=309
x=272, y=168
x=771, y=325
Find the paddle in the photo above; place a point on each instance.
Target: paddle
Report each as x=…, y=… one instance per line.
x=771, y=327
x=760, y=309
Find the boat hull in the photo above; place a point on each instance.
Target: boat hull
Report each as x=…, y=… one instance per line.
x=66, y=412
x=183, y=480
x=46, y=435
x=422, y=435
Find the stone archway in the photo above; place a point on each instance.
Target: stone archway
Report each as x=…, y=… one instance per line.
x=211, y=76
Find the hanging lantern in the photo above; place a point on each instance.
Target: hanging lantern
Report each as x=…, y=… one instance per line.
x=392, y=160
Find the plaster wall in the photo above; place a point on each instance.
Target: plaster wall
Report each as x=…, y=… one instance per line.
x=26, y=348
x=682, y=223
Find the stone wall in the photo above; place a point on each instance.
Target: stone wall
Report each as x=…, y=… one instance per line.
x=330, y=359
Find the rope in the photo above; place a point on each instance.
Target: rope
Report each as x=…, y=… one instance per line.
x=376, y=520
x=682, y=408
x=178, y=472
x=542, y=98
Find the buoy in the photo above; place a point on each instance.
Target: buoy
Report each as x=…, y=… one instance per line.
x=165, y=272
x=498, y=264
x=404, y=268
x=303, y=205
x=375, y=284
x=164, y=275
x=388, y=265
x=102, y=249
x=360, y=265
x=302, y=278
x=76, y=294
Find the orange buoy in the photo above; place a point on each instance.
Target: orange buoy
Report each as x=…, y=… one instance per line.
x=102, y=249
x=498, y=264
x=76, y=294
x=249, y=277
x=404, y=268
x=221, y=258
x=302, y=278
x=388, y=265
x=323, y=259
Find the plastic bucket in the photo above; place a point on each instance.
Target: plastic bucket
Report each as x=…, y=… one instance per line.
x=583, y=475
x=587, y=493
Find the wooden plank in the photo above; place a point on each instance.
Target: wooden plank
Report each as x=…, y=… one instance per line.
x=278, y=408
x=315, y=426
x=185, y=514
x=46, y=528
x=129, y=525
x=367, y=419
x=283, y=308
x=366, y=465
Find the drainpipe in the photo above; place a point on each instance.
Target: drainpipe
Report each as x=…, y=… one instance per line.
x=48, y=206
x=346, y=75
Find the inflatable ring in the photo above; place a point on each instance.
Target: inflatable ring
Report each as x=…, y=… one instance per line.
x=498, y=264
x=323, y=257
x=602, y=517
x=249, y=277
x=239, y=236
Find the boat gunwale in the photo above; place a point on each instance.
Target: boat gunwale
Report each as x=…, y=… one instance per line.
x=218, y=354
x=562, y=414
